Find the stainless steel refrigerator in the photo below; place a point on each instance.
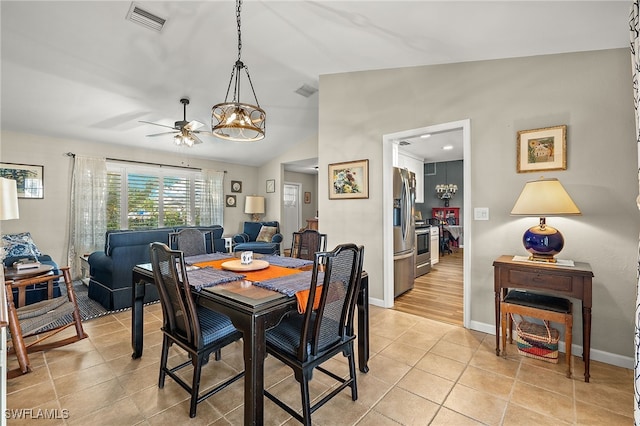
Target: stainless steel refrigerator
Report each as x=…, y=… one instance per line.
x=404, y=266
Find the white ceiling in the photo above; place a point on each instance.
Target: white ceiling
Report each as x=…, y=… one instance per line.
x=79, y=70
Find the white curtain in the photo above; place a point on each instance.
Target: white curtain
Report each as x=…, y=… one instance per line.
x=212, y=201
x=88, y=209
x=635, y=64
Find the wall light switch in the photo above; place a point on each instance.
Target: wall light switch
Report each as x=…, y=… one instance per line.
x=481, y=213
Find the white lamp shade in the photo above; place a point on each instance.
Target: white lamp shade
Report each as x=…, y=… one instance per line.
x=544, y=197
x=254, y=204
x=8, y=199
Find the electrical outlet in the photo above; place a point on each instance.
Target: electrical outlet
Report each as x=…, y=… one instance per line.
x=481, y=213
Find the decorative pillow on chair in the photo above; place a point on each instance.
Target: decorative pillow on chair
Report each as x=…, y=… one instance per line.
x=266, y=234
x=17, y=245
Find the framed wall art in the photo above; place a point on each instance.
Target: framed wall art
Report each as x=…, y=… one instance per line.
x=29, y=179
x=236, y=186
x=230, y=200
x=349, y=180
x=307, y=198
x=542, y=149
x=271, y=185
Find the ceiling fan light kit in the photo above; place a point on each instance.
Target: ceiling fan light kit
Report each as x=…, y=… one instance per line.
x=185, y=131
x=238, y=121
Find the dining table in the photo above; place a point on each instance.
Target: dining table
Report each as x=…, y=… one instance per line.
x=252, y=310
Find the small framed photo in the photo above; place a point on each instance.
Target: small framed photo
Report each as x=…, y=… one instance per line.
x=271, y=185
x=29, y=179
x=236, y=186
x=542, y=149
x=230, y=200
x=349, y=180
x=307, y=198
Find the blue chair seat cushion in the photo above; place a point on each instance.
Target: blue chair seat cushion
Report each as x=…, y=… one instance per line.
x=286, y=335
x=538, y=301
x=257, y=247
x=214, y=325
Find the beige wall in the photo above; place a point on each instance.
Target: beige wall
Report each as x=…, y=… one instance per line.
x=589, y=92
x=309, y=183
x=48, y=219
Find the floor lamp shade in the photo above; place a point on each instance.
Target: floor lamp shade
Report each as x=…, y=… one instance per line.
x=254, y=205
x=544, y=197
x=8, y=199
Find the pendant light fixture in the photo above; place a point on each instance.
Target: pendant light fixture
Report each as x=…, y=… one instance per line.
x=235, y=120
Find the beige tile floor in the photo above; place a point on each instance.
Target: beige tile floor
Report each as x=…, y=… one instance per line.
x=421, y=373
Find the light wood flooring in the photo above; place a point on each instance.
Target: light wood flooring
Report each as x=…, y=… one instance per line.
x=437, y=295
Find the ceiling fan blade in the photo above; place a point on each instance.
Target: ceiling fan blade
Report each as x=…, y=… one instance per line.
x=157, y=124
x=196, y=139
x=162, y=134
x=193, y=125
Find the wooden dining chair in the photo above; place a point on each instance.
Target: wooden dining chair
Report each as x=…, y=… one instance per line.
x=196, y=329
x=306, y=341
x=305, y=244
x=43, y=319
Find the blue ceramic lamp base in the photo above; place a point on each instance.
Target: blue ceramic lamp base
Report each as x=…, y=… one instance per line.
x=543, y=242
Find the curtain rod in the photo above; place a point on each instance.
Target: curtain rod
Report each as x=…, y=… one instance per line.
x=71, y=154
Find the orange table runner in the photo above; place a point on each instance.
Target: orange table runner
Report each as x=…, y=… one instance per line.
x=269, y=272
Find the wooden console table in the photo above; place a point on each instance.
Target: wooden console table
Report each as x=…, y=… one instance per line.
x=572, y=281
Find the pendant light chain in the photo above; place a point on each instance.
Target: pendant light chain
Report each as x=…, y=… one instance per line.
x=235, y=120
x=238, y=6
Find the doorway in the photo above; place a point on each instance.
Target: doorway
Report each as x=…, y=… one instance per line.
x=388, y=142
x=292, y=212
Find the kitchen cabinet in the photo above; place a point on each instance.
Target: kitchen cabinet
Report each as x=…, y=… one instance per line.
x=406, y=160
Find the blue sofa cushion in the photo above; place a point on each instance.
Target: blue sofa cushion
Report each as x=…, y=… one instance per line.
x=258, y=247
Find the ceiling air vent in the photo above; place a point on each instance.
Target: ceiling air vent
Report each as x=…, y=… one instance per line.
x=306, y=90
x=144, y=18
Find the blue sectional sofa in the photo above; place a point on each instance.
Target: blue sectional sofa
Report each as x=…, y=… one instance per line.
x=110, y=281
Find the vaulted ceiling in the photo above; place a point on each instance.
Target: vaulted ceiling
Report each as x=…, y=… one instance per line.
x=80, y=70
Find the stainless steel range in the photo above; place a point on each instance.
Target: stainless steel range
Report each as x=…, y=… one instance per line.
x=423, y=252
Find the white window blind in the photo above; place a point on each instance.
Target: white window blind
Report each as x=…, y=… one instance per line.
x=154, y=197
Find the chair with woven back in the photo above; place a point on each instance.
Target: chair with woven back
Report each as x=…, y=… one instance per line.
x=305, y=244
x=190, y=241
x=197, y=330
x=43, y=319
x=325, y=328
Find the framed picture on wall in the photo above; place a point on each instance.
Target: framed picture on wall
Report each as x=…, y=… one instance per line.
x=307, y=198
x=349, y=180
x=230, y=200
x=236, y=186
x=542, y=149
x=29, y=179
x=271, y=185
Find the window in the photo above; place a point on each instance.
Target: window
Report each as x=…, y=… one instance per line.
x=146, y=197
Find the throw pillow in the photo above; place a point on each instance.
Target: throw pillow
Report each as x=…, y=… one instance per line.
x=20, y=245
x=266, y=234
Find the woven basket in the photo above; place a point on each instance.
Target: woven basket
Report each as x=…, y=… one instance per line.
x=539, y=341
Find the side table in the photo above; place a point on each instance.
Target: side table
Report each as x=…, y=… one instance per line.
x=573, y=281
x=84, y=269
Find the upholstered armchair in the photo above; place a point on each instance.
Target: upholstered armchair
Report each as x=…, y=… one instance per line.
x=259, y=237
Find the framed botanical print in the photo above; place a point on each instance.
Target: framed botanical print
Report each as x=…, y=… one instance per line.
x=542, y=149
x=349, y=180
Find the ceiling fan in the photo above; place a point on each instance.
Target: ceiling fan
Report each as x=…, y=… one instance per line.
x=185, y=131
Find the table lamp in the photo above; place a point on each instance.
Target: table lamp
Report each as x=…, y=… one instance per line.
x=8, y=199
x=254, y=205
x=544, y=197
